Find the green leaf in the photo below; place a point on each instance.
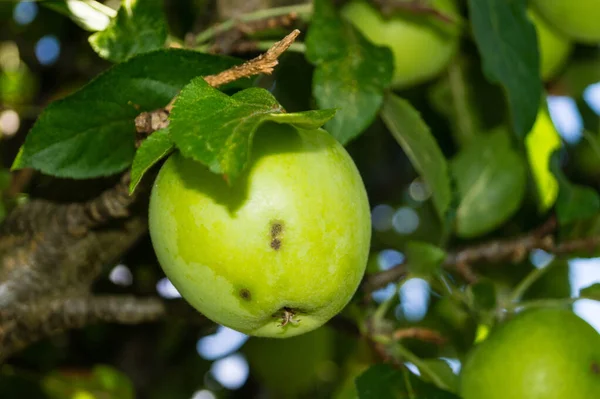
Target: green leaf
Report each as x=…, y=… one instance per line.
x=415, y=138
x=442, y=370
x=153, y=149
x=217, y=130
x=139, y=27
x=101, y=382
x=574, y=202
x=351, y=73
x=91, y=132
x=382, y=381
x=491, y=179
x=482, y=294
x=457, y=95
x=591, y=292
x=423, y=258
x=507, y=43
x=88, y=14
x=541, y=142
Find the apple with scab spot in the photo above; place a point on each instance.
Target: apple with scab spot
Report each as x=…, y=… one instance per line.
x=275, y=254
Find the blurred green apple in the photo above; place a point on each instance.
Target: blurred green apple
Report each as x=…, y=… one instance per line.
x=578, y=19
x=422, y=45
x=540, y=354
x=281, y=251
x=289, y=368
x=554, y=47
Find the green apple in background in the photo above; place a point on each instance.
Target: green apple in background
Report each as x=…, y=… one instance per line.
x=578, y=19
x=540, y=354
x=278, y=253
x=291, y=368
x=554, y=47
x=422, y=45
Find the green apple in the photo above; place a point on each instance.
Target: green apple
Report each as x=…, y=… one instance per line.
x=281, y=251
x=578, y=19
x=422, y=45
x=289, y=368
x=554, y=47
x=540, y=354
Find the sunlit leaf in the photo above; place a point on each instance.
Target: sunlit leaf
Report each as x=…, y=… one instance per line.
x=139, y=27
x=88, y=14
x=541, y=143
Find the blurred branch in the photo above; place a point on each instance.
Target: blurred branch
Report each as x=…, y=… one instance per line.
x=20, y=180
x=420, y=333
x=255, y=20
x=511, y=250
x=238, y=40
x=148, y=122
x=387, y=7
x=29, y=323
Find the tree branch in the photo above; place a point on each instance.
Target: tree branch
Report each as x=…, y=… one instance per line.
x=25, y=325
x=511, y=250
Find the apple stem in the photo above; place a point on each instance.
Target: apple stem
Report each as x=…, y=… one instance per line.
x=287, y=317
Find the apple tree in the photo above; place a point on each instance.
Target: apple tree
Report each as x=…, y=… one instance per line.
x=289, y=199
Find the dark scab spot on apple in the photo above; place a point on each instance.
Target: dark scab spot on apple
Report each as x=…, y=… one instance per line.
x=276, y=244
x=276, y=232
x=245, y=294
x=595, y=367
x=276, y=228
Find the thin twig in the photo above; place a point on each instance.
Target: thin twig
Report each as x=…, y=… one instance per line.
x=263, y=64
x=148, y=122
x=422, y=334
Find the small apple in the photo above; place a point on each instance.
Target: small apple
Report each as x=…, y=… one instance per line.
x=554, y=47
x=577, y=19
x=281, y=251
x=422, y=45
x=540, y=354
